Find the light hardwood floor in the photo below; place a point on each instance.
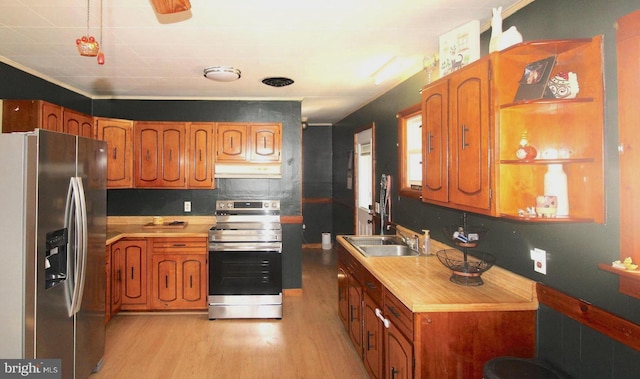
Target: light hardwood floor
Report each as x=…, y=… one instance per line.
x=309, y=342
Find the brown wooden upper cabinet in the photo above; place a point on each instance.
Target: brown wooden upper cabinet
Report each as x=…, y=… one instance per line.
x=159, y=154
x=78, y=124
x=27, y=115
x=473, y=123
x=457, y=172
x=119, y=137
x=628, y=40
x=567, y=132
x=435, y=142
x=242, y=142
x=200, y=159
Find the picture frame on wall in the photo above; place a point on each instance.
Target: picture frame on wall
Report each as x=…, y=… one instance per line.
x=535, y=76
x=459, y=47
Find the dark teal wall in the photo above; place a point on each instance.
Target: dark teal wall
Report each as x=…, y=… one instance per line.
x=17, y=84
x=573, y=250
x=316, y=182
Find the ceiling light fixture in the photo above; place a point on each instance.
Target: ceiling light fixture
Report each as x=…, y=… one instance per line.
x=222, y=73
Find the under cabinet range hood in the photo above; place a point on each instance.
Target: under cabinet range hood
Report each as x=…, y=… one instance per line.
x=248, y=170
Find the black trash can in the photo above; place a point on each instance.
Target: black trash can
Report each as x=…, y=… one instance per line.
x=518, y=368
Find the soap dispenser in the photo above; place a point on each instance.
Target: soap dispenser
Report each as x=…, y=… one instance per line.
x=426, y=242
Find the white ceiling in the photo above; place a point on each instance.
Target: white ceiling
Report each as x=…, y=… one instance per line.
x=330, y=48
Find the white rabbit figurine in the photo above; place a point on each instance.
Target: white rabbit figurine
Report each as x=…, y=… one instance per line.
x=501, y=40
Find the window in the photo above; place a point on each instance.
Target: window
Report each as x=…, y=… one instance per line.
x=410, y=151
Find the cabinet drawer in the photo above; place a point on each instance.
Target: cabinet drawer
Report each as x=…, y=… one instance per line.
x=398, y=314
x=182, y=245
x=355, y=268
x=372, y=286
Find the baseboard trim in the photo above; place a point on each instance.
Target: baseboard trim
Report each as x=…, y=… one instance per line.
x=292, y=292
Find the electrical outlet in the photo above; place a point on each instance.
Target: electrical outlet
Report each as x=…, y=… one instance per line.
x=539, y=258
x=304, y=227
x=187, y=206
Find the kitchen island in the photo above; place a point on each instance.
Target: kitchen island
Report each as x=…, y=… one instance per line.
x=407, y=319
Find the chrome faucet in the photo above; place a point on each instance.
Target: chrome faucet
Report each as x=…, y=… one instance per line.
x=412, y=241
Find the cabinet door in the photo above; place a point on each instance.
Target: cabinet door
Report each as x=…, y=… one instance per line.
x=178, y=281
x=355, y=314
x=115, y=276
x=469, y=171
x=193, y=287
x=159, y=155
x=628, y=38
x=372, y=339
x=399, y=354
x=51, y=117
x=265, y=142
x=343, y=295
x=134, y=255
x=232, y=142
x=118, y=135
x=165, y=279
x=78, y=124
x=435, y=139
x=200, y=158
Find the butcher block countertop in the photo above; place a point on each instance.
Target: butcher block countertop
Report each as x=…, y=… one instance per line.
x=422, y=284
x=139, y=227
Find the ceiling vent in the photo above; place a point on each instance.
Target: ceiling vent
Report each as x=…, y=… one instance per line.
x=277, y=81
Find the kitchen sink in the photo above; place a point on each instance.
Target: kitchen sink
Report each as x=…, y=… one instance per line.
x=381, y=246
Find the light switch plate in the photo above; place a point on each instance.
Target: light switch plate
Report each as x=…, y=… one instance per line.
x=187, y=206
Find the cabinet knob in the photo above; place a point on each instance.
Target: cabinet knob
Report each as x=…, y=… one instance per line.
x=621, y=148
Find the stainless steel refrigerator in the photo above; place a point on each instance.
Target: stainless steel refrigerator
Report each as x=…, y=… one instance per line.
x=52, y=249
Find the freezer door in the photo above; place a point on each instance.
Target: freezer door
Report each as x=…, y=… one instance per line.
x=54, y=331
x=90, y=327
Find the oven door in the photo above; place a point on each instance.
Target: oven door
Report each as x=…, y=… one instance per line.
x=245, y=272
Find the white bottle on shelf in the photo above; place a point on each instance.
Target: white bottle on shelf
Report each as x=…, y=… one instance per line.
x=426, y=242
x=555, y=184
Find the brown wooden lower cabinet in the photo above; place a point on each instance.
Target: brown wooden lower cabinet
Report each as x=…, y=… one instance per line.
x=398, y=343
x=178, y=273
x=164, y=273
x=134, y=274
x=177, y=281
x=399, y=354
x=373, y=338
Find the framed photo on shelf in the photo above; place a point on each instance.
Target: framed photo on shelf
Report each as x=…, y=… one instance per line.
x=533, y=84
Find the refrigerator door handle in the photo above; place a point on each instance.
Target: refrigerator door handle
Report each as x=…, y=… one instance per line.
x=78, y=239
x=68, y=222
x=82, y=256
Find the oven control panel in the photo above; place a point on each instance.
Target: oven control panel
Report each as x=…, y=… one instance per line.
x=247, y=205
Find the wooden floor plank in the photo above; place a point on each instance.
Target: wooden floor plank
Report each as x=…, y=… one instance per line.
x=309, y=342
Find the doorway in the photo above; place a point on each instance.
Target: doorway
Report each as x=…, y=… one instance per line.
x=364, y=173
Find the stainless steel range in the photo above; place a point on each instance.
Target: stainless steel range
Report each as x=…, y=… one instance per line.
x=245, y=260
